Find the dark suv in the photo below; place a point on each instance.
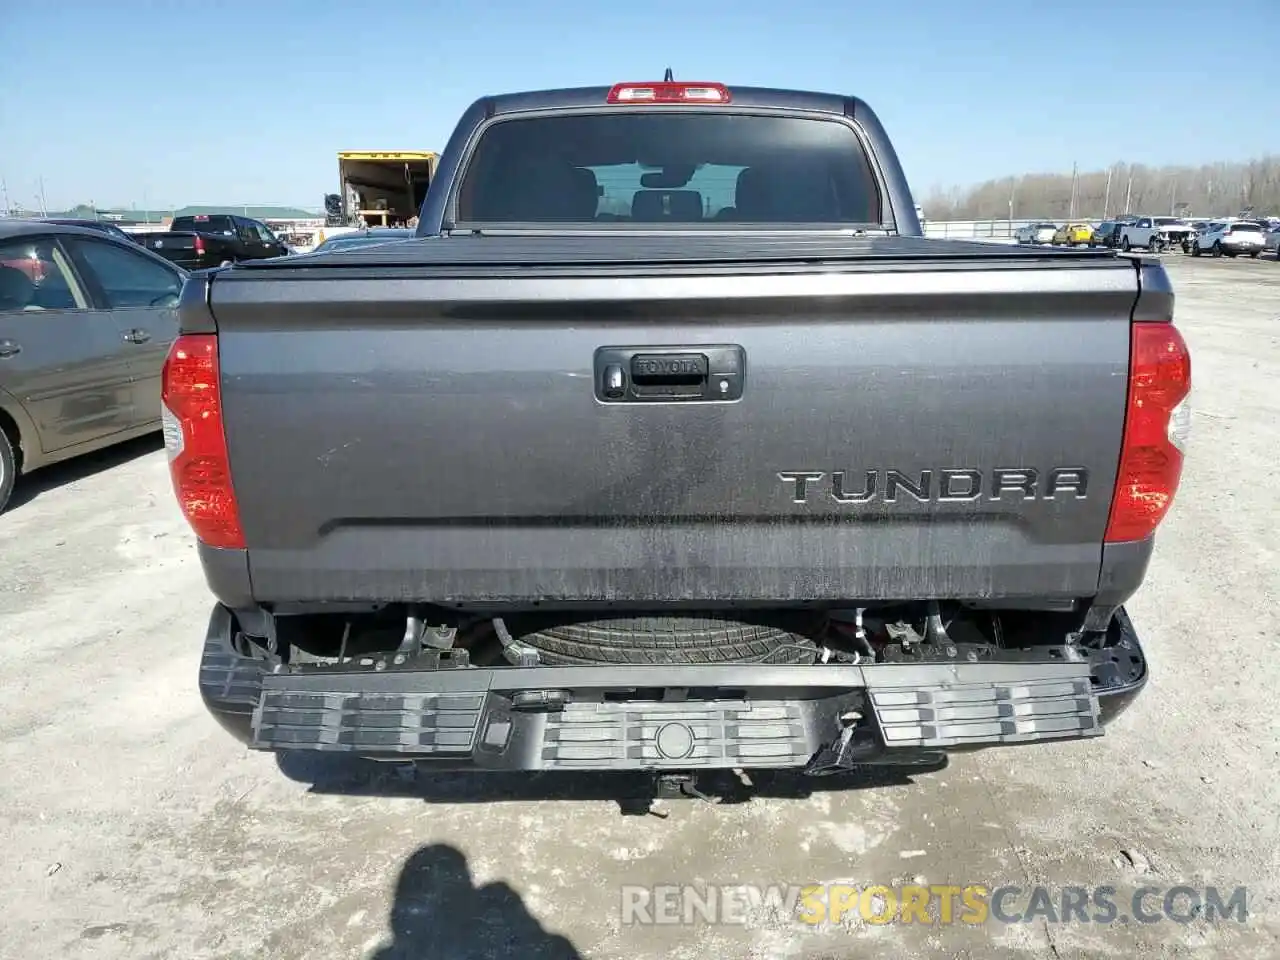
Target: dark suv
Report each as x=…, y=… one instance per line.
x=1107, y=234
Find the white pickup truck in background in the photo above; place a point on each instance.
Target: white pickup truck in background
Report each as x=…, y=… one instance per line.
x=1154, y=233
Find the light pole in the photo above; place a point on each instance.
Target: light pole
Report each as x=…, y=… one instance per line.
x=1013, y=189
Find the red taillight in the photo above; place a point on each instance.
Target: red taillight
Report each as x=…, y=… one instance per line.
x=199, y=245
x=669, y=93
x=191, y=412
x=1155, y=431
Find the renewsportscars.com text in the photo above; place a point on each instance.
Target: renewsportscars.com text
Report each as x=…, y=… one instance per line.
x=817, y=904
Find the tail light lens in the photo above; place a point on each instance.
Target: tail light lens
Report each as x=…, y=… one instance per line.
x=199, y=245
x=191, y=413
x=1157, y=423
x=668, y=92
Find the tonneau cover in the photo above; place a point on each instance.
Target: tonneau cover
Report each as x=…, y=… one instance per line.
x=620, y=247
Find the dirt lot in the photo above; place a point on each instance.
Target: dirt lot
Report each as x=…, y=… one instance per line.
x=134, y=827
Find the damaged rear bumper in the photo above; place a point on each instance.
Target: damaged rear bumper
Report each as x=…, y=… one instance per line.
x=818, y=718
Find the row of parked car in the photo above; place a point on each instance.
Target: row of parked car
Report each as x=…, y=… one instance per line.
x=210, y=240
x=87, y=319
x=1226, y=236
x=197, y=242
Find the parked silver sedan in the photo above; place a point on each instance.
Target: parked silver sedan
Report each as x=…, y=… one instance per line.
x=86, y=321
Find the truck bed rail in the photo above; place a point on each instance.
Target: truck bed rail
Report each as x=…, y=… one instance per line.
x=635, y=249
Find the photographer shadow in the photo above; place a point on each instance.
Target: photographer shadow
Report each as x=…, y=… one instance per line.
x=440, y=914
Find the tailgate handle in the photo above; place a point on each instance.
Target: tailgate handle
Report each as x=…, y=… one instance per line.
x=663, y=374
x=669, y=369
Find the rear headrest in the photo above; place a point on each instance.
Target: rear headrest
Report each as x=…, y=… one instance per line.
x=791, y=191
x=586, y=198
x=16, y=289
x=684, y=206
x=751, y=195
x=538, y=189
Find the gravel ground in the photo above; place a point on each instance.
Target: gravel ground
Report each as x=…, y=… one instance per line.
x=134, y=827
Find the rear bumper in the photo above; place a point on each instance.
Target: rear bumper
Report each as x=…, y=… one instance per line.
x=677, y=717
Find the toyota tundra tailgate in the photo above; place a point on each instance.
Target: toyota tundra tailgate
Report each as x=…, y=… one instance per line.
x=526, y=419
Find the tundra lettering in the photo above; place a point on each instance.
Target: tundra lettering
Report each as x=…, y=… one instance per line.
x=800, y=481
x=953, y=484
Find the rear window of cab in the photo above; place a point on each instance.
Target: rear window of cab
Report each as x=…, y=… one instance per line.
x=654, y=166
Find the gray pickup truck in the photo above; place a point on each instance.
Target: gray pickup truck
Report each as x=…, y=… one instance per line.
x=669, y=444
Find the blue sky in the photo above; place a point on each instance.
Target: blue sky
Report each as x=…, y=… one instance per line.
x=170, y=102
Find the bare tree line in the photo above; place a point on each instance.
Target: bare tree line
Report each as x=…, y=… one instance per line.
x=1216, y=189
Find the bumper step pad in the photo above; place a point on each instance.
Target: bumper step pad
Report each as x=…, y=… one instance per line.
x=726, y=716
x=628, y=736
x=416, y=724
x=984, y=713
x=613, y=736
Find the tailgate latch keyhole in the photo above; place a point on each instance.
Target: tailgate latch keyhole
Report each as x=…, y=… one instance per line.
x=615, y=384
